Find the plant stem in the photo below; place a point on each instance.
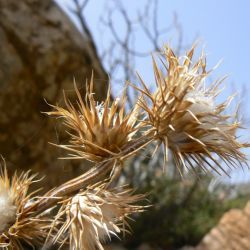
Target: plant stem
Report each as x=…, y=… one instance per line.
x=94, y=175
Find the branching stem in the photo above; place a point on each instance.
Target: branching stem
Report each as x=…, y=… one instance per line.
x=98, y=173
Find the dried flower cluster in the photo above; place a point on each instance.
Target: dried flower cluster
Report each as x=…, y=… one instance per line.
x=181, y=115
x=17, y=228
x=184, y=117
x=98, y=131
x=95, y=215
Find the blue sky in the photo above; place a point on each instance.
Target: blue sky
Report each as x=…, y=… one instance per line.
x=222, y=27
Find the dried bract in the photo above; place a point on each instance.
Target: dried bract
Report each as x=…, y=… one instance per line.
x=16, y=227
x=96, y=214
x=98, y=131
x=183, y=116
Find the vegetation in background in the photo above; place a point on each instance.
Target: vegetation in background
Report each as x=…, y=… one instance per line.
x=183, y=213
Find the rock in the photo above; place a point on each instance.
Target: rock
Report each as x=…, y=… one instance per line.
x=114, y=247
x=40, y=53
x=231, y=233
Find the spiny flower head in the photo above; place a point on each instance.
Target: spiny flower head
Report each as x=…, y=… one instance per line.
x=96, y=214
x=98, y=131
x=184, y=117
x=17, y=228
x=8, y=207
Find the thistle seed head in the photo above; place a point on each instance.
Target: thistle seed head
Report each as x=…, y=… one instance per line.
x=95, y=215
x=98, y=131
x=8, y=208
x=184, y=117
x=15, y=226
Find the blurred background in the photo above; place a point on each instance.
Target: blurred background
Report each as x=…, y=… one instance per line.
x=46, y=44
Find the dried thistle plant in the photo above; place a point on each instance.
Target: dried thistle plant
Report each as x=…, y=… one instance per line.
x=98, y=131
x=16, y=227
x=184, y=117
x=181, y=115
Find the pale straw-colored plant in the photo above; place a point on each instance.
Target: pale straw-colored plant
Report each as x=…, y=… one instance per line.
x=181, y=115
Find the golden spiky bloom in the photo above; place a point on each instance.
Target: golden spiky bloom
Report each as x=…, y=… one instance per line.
x=184, y=117
x=15, y=227
x=98, y=131
x=96, y=214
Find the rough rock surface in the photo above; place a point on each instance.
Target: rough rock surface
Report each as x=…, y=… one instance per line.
x=41, y=52
x=231, y=233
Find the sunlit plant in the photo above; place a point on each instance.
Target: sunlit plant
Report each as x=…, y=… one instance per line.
x=181, y=116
